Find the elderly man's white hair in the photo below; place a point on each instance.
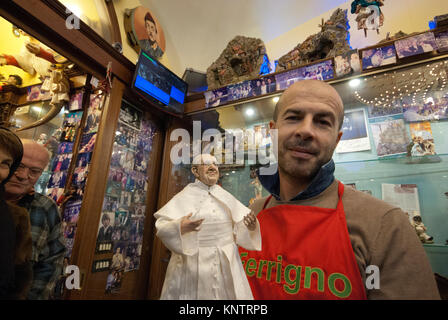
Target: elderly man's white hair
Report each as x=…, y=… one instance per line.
x=204, y=158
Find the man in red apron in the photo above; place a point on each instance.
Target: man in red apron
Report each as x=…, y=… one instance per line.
x=319, y=239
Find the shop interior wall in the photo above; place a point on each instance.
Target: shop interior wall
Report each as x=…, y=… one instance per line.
x=407, y=16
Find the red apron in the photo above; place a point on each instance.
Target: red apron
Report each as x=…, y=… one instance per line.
x=306, y=254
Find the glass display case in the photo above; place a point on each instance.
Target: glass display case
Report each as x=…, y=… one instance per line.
x=394, y=146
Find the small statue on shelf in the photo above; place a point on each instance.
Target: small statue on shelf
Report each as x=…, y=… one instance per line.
x=366, y=17
x=421, y=230
x=202, y=226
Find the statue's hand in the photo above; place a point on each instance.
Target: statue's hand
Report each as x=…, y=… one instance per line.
x=250, y=221
x=187, y=225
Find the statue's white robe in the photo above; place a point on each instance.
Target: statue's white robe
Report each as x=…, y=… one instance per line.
x=205, y=264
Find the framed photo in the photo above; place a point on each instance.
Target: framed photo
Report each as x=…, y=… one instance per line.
x=442, y=41
x=87, y=142
x=434, y=109
x=418, y=44
x=378, y=57
x=355, y=135
x=285, y=79
x=71, y=212
x=347, y=64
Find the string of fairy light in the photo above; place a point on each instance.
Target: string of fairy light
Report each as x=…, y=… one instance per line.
x=414, y=89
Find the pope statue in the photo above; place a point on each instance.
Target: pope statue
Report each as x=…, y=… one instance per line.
x=202, y=226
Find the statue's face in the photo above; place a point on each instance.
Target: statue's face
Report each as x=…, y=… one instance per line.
x=207, y=172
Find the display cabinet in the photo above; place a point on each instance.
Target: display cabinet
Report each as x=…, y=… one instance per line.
x=394, y=146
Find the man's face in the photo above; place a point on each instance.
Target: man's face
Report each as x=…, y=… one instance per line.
x=308, y=131
x=34, y=161
x=150, y=30
x=6, y=161
x=207, y=172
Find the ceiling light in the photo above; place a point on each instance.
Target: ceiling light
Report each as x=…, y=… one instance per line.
x=250, y=112
x=354, y=83
x=275, y=99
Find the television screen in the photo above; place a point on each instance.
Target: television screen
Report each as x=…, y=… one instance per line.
x=156, y=83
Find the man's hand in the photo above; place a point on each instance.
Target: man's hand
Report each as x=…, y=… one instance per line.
x=187, y=225
x=250, y=221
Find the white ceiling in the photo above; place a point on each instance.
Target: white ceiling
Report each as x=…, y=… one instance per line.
x=197, y=31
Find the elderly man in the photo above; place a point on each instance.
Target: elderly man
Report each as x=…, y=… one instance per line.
x=321, y=240
x=200, y=226
x=46, y=231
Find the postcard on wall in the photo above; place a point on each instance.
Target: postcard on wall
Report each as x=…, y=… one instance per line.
x=422, y=139
x=87, y=142
x=390, y=136
x=355, y=136
x=404, y=196
x=347, y=64
x=417, y=44
x=55, y=193
x=61, y=162
x=57, y=179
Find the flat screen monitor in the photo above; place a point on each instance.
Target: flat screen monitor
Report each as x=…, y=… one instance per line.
x=157, y=84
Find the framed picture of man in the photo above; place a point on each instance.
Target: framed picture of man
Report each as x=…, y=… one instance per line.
x=145, y=32
x=418, y=44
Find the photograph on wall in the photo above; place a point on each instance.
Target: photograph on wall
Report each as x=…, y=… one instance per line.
x=34, y=93
x=80, y=176
x=61, y=162
x=285, y=79
x=57, y=179
x=71, y=212
x=83, y=159
x=94, y=112
x=442, y=41
x=382, y=111
x=65, y=147
x=422, y=143
x=75, y=102
x=69, y=231
x=87, y=142
x=106, y=227
x=355, y=135
x=262, y=86
x=378, y=57
x=130, y=116
x=318, y=71
x=404, y=196
x=239, y=90
x=55, y=193
x=390, y=136
x=216, y=97
x=415, y=45
x=434, y=109
x=347, y=64
x=114, y=279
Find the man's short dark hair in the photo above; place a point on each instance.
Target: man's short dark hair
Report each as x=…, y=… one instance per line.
x=105, y=217
x=11, y=144
x=148, y=17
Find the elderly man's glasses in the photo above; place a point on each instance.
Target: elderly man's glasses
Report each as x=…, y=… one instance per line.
x=32, y=172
